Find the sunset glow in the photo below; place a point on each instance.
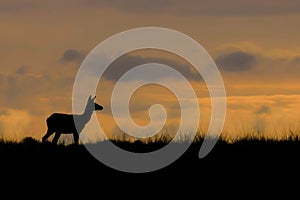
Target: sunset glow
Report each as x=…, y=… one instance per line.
x=254, y=44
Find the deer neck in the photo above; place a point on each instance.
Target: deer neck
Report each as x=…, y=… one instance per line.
x=86, y=115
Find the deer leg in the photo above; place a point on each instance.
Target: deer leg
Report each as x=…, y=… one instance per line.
x=56, y=137
x=47, y=135
x=76, y=137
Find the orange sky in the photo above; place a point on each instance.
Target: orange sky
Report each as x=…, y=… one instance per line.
x=255, y=45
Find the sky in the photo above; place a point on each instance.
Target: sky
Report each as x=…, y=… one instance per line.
x=255, y=45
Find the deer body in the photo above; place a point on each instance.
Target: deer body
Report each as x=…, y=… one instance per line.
x=61, y=123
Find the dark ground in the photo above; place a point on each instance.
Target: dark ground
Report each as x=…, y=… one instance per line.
x=247, y=166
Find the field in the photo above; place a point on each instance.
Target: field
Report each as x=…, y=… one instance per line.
x=255, y=163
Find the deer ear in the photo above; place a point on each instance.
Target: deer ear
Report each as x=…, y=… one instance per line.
x=94, y=98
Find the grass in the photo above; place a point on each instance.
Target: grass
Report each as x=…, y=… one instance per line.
x=248, y=150
x=252, y=163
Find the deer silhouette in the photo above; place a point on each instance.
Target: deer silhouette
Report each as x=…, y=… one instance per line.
x=60, y=123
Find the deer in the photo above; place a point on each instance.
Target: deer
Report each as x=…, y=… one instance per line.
x=61, y=123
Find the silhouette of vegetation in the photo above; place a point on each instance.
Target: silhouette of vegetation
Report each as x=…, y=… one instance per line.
x=253, y=152
x=245, y=163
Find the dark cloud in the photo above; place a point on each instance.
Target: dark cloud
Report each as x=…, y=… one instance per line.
x=33, y=5
x=296, y=60
x=127, y=62
x=263, y=110
x=22, y=70
x=15, y=6
x=163, y=7
x=71, y=55
x=235, y=61
x=200, y=7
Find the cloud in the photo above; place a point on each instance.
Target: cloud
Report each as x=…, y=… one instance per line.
x=277, y=69
x=127, y=62
x=71, y=55
x=24, y=91
x=201, y=7
x=22, y=70
x=3, y=112
x=263, y=110
x=164, y=7
x=236, y=61
x=33, y=5
x=296, y=60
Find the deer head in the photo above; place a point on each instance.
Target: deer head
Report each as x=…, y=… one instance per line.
x=91, y=105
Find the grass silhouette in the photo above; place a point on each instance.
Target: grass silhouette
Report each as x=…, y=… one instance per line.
x=245, y=163
x=253, y=152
